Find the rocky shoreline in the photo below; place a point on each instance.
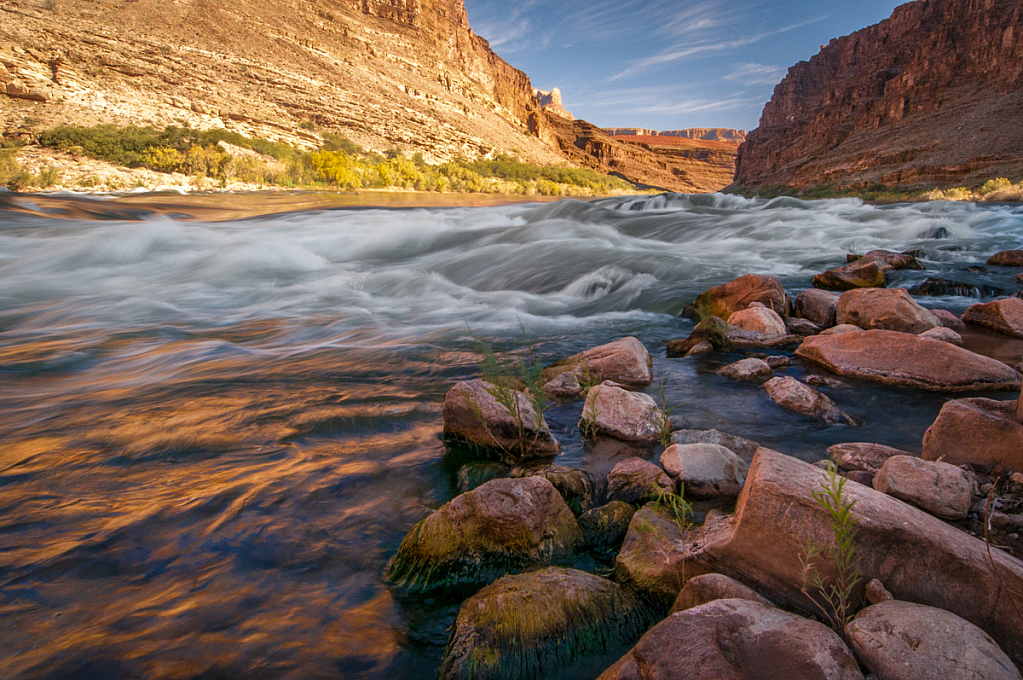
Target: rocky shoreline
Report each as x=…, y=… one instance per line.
x=748, y=563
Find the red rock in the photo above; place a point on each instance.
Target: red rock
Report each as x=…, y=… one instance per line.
x=1007, y=258
x=863, y=455
x=1004, y=316
x=840, y=329
x=944, y=334
x=818, y=306
x=635, y=480
x=736, y=639
x=759, y=320
x=746, y=369
x=976, y=431
x=855, y=275
x=722, y=301
x=471, y=412
x=705, y=470
x=891, y=260
x=709, y=587
x=939, y=488
x=626, y=362
x=793, y=395
x=892, y=309
x=902, y=359
x=630, y=416
x=918, y=557
x=906, y=641
x=949, y=320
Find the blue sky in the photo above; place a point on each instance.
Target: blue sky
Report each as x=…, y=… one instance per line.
x=665, y=64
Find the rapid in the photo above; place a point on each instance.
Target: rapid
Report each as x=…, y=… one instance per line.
x=214, y=434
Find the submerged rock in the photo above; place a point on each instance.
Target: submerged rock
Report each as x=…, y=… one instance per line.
x=934, y=286
x=625, y=362
x=818, y=306
x=615, y=412
x=745, y=448
x=478, y=472
x=908, y=360
x=505, y=525
x=916, y=555
x=705, y=470
x=906, y=641
x=939, y=488
x=976, y=430
x=532, y=625
x=636, y=480
x=473, y=413
x=604, y=528
x=891, y=309
x=709, y=587
x=736, y=639
x=746, y=369
x=1004, y=316
x=793, y=395
x=721, y=301
x=863, y=456
x=577, y=487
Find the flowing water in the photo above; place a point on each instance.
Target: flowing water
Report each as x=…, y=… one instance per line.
x=213, y=435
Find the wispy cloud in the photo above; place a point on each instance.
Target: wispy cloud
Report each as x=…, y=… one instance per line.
x=680, y=52
x=748, y=74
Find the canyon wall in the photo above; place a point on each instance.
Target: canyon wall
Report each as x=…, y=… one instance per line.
x=703, y=134
x=930, y=96
x=409, y=74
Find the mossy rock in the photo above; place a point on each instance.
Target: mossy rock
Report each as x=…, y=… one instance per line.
x=713, y=329
x=501, y=527
x=577, y=487
x=532, y=625
x=604, y=528
x=476, y=473
x=652, y=557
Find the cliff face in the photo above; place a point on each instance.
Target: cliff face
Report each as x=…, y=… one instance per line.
x=704, y=134
x=669, y=163
x=395, y=73
x=931, y=95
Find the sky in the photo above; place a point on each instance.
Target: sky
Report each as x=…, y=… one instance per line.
x=665, y=64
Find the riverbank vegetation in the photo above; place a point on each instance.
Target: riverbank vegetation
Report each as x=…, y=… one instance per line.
x=997, y=190
x=222, y=158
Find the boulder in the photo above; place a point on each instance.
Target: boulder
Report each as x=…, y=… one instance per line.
x=801, y=327
x=723, y=300
x=917, y=556
x=745, y=448
x=478, y=472
x=604, y=528
x=907, y=360
x=564, y=387
x=949, y=320
x=705, y=470
x=976, y=430
x=818, y=306
x=636, y=480
x=886, y=259
x=944, y=334
x=577, y=487
x=906, y=641
x=736, y=639
x=532, y=625
x=651, y=559
x=840, y=329
x=875, y=592
x=473, y=413
x=759, y=320
x=709, y=587
x=503, y=526
x=747, y=369
x=854, y=275
x=863, y=456
x=939, y=488
x=616, y=412
x=793, y=395
x=1004, y=316
x=626, y=362
x=712, y=330
x=892, y=309
x=1007, y=258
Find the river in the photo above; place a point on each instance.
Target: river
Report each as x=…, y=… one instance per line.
x=214, y=434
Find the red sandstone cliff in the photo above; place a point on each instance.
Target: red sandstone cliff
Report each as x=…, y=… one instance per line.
x=931, y=95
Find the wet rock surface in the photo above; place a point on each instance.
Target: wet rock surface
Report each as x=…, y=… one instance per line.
x=892, y=309
x=793, y=395
x=625, y=362
x=473, y=413
x=604, y=528
x=850, y=276
x=724, y=300
x=578, y=487
x=747, y=369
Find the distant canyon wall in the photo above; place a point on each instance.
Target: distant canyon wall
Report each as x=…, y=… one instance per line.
x=705, y=134
x=930, y=96
x=398, y=73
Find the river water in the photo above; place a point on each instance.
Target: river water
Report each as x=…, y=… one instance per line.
x=213, y=435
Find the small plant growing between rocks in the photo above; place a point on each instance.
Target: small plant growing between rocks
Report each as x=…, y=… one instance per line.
x=588, y=422
x=834, y=597
x=665, y=417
